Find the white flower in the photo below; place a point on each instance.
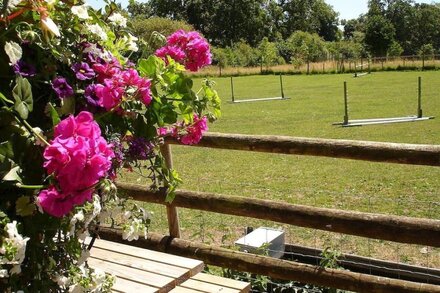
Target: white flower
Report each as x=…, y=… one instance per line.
x=48, y=24
x=80, y=11
x=14, y=52
x=38, y=141
x=133, y=231
x=76, y=289
x=96, y=205
x=62, y=281
x=11, y=229
x=51, y=2
x=12, y=4
x=130, y=42
x=4, y=274
x=84, y=256
x=118, y=19
x=97, y=30
x=78, y=217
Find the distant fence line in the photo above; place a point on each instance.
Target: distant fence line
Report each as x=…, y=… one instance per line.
x=332, y=66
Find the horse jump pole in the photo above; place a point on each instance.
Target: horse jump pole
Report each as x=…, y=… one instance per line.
x=232, y=90
x=419, y=103
x=281, y=85
x=345, y=104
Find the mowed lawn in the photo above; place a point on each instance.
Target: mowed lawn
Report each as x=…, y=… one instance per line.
x=315, y=103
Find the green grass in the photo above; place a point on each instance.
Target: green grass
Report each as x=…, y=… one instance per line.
x=315, y=103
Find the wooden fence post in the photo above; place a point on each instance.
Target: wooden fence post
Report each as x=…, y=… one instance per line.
x=232, y=90
x=345, y=104
x=172, y=214
x=419, y=100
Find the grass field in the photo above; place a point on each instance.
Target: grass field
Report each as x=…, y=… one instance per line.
x=315, y=103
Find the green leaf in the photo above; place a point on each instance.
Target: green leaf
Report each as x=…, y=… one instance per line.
x=22, y=93
x=150, y=67
x=5, y=165
x=13, y=175
x=24, y=206
x=54, y=115
x=2, y=96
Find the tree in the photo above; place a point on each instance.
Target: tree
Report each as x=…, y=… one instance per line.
x=379, y=34
x=144, y=27
x=395, y=50
x=306, y=47
x=427, y=28
x=268, y=53
x=401, y=14
x=313, y=16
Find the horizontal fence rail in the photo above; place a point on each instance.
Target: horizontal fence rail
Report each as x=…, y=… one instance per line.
x=276, y=268
x=415, y=154
x=377, y=226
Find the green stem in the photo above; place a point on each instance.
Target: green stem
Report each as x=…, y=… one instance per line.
x=33, y=132
x=24, y=186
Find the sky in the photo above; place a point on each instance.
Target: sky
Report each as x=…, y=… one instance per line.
x=347, y=9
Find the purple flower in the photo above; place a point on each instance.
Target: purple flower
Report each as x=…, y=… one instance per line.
x=24, y=69
x=140, y=149
x=83, y=71
x=62, y=88
x=90, y=95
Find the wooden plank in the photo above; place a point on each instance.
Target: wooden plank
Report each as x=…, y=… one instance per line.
x=276, y=268
x=260, y=99
x=377, y=226
x=194, y=266
x=416, y=154
x=128, y=286
x=179, y=289
x=386, y=122
x=206, y=287
x=376, y=119
x=178, y=273
x=153, y=280
x=226, y=282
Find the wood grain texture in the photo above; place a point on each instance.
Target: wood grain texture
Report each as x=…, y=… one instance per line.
x=276, y=268
x=400, y=153
x=376, y=226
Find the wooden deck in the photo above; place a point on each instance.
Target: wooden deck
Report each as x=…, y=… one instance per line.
x=142, y=270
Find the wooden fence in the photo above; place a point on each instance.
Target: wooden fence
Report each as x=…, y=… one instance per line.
x=377, y=226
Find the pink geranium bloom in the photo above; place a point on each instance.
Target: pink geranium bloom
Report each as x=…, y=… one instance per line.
x=189, y=49
x=194, y=131
x=59, y=205
x=109, y=94
x=78, y=157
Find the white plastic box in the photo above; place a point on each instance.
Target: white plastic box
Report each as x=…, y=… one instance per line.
x=266, y=241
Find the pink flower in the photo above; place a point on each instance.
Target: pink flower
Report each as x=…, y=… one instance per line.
x=106, y=71
x=130, y=77
x=109, y=94
x=82, y=125
x=189, y=49
x=194, y=131
x=162, y=131
x=176, y=53
x=144, y=92
x=78, y=157
x=57, y=204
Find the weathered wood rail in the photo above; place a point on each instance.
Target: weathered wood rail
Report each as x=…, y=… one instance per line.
x=377, y=226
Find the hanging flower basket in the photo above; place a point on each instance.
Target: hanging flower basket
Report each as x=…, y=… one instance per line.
x=82, y=99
